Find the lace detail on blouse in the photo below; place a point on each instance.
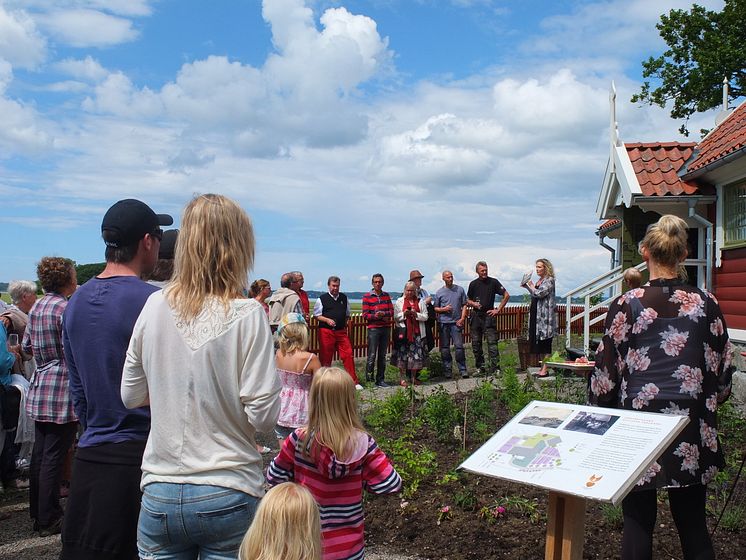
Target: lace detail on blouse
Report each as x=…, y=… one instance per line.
x=213, y=320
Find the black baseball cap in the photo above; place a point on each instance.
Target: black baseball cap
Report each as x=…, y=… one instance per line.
x=168, y=244
x=129, y=220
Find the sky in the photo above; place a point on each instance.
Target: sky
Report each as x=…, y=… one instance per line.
x=361, y=136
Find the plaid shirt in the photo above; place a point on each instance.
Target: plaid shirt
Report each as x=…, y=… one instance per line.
x=49, y=395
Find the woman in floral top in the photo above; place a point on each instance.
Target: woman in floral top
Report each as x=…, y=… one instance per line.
x=666, y=350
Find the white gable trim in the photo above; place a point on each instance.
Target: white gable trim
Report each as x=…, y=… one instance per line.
x=620, y=184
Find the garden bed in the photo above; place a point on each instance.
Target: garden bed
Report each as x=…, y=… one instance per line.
x=444, y=513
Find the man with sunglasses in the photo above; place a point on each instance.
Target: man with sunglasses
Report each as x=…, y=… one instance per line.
x=104, y=502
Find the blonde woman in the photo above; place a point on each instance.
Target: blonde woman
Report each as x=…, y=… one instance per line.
x=666, y=350
x=201, y=355
x=542, y=322
x=286, y=526
x=295, y=368
x=335, y=459
x=410, y=333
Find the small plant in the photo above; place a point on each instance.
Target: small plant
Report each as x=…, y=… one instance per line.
x=480, y=415
x=613, y=515
x=444, y=513
x=388, y=414
x=441, y=414
x=734, y=519
x=449, y=477
x=414, y=462
x=529, y=508
x=466, y=499
x=492, y=513
x=514, y=394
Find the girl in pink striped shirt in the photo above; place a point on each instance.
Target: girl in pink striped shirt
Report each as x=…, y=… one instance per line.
x=335, y=459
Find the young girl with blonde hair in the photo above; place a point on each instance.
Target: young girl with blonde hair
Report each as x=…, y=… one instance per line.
x=295, y=368
x=286, y=526
x=335, y=459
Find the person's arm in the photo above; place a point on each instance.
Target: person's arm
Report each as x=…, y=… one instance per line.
x=544, y=290
x=368, y=312
x=604, y=383
x=422, y=313
x=470, y=298
x=719, y=352
x=379, y=475
x=7, y=358
x=318, y=309
x=260, y=386
x=503, y=302
x=399, y=311
x=282, y=467
x=349, y=311
x=77, y=391
x=134, y=386
x=464, y=310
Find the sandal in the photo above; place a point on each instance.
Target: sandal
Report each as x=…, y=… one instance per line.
x=403, y=383
x=542, y=375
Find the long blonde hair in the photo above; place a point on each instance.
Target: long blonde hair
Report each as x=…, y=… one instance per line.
x=286, y=526
x=213, y=256
x=547, y=267
x=333, y=418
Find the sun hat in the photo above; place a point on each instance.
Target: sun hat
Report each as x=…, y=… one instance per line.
x=415, y=274
x=288, y=319
x=127, y=221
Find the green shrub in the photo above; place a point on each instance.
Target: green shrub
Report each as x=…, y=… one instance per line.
x=389, y=413
x=734, y=519
x=613, y=515
x=413, y=462
x=441, y=413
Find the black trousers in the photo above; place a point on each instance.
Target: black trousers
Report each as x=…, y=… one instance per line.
x=51, y=444
x=484, y=326
x=688, y=511
x=104, y=503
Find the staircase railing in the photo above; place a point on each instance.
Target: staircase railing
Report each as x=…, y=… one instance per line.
x=612, y=281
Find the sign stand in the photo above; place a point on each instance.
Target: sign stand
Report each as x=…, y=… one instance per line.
x=565, y=527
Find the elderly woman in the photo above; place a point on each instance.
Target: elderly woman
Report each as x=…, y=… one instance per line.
x=48, y=402
x=666, y=350
x=542, y=322
x=410, y=349
x=201, y=356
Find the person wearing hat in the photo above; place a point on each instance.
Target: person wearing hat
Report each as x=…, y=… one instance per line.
x=104, y=502
x=416, y=277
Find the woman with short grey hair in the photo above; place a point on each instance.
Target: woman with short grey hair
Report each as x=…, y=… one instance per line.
x=21, y=292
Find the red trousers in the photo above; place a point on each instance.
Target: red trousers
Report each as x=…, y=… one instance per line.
x=331, y=340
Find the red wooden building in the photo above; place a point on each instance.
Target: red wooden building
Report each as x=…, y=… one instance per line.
x=705, y=184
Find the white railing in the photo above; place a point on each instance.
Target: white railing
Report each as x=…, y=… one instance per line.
x=588, y=291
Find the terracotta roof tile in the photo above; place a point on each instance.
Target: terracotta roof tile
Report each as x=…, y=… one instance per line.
x=723, y=140
x=656, y=165
x=609, y=224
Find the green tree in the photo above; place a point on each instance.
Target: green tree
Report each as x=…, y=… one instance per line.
x=87, y=271
x=704, y=47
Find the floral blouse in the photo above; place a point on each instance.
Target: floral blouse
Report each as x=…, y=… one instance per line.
x=666, y=349
x=546, y=308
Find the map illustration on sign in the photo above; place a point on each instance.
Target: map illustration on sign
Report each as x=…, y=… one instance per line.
x=534, y=452
x=596, y=453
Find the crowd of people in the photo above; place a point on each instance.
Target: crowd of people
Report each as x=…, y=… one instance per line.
x=155, y=390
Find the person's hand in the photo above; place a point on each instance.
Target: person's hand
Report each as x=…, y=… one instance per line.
x=331, y=322
x=447, y=309
x=492, y=312
x=6, y=322
x=428, y=300
x=477, y=305
x=460, y=323
x=379, y=313
x=530, y=284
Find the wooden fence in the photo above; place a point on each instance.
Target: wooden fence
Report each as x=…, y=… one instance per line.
x=512, y=322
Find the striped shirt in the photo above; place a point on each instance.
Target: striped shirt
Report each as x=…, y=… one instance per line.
x=372, y=302
x=338, y=488
x=49, y=392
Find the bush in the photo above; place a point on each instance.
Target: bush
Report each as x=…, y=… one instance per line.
x=441, y=414
x=388, y=414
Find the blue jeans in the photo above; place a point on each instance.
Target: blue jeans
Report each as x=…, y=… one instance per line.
x=378, y=342
x=189, y=521
x=451, y=334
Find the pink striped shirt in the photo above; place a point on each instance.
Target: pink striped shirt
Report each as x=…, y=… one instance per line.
x=337, y=487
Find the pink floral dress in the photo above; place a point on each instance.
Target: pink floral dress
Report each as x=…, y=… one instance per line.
x=666, y=350
x=294, y=396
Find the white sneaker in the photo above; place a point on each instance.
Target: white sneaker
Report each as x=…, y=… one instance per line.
x=359, y=387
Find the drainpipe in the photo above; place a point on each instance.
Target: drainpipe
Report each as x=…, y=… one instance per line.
x=708, y=242
x=609, y=247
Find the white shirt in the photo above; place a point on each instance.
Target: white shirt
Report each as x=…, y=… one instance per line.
x=212, y=384
x=318, y=307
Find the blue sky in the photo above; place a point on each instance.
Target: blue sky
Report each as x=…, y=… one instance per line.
x=360, y=136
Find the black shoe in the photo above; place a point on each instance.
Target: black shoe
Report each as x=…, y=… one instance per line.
x=53, y=529
x=382, y=384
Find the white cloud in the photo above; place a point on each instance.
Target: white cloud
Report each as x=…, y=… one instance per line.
x=117, y=95
x=87, y=68
x=20, y=42
x=86, y=27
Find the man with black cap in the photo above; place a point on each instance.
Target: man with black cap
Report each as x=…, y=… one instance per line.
x=104, y=502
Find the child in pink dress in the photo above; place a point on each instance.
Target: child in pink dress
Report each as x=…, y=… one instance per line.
x=295, y=367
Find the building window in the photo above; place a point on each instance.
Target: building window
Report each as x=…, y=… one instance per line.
x=734, y=214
